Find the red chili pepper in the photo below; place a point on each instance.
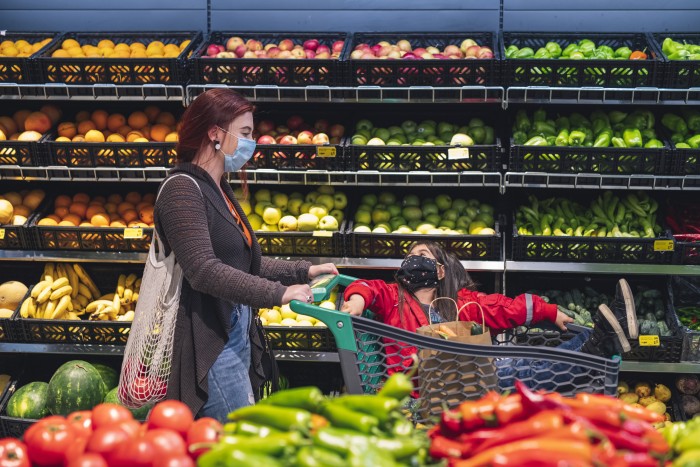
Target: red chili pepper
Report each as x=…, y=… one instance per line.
x=534, y=402
x=577, y=431
x=538, y=459
x=637, y=459
x=555, y=447
x=479, y=436
x=604, y=453
x=510, y=409
x=451, y=422
x=476, y=414
x=604, y=418
x=626, y=441
x=543, y=422
x=445, y=448
x=657, y=443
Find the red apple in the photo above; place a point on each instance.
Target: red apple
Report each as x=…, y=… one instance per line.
x=485, y=53
x=320, y=138
x=323, y=48
x=285, y=54
x=394, y=54
x=310, y=53
x=265, y=127
x=418, y=52
x=472, y=51
x=439, y=56
x=321, y=126
x=288, y=139
x=269, y=46
x=452, y=50
x=404, y=45
x=368, y=56
x=337, y=130
x=362, y=47
x=298, y=53
x=466, y=43
x=240, y=51
x=225, y=55
x=250, y=54
x=212, y=50
x=427, y=56
x=253, y=45
x=375, y=49
x=337, y=46
x=305, y=137
x=286, y=44
x=233, y=43
x=409, y=56
x=295, y=122
x=266, y=139
x=385, y=50
x=261, y=54
x=273, y=52
x=323, y=55
x=311, y=44
x=383, y=43
x=356, y=54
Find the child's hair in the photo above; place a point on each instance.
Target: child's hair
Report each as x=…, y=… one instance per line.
x=456, y=278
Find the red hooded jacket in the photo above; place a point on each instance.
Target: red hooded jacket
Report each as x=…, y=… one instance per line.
x=500, y=312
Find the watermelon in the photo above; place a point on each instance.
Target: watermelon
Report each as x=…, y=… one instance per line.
x=76, y=385
x=29, y=401
x=139, y=414
x=109, y=375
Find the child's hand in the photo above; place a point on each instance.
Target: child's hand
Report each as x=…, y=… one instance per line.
x=562, y=320
x=355, y=305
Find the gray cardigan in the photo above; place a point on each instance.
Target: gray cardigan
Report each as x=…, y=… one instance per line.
x=220, y=269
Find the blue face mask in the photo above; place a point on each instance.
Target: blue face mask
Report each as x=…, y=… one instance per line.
x=244, y=151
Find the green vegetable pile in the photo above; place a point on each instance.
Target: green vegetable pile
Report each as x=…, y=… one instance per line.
x=685, y=129
x=577, y=304
x=689, y=317
x=633, y=215
x=680, y=50
x=584, y=49
x=651, y=312
x=599, y=130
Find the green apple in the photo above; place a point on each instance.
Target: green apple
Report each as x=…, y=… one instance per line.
x=381, y=229
x=486, y=218
x=461, y=139
x=287, y=224
x=450, y=214
x=393, y=142
x=461, y=231
x=294, y=206
x=281, y=201
x=403, y=229
x=447, y=223
x=325, y=200
x=476, y=122
x=238, y=193
x=475, y=227
x=428, y=201
x=362, y=229
x=395, y=130
x=435, y=232
x=433, y=219
x=478, y=134
x=271, y=315
x=245, y=205
x=396, y=222
x=418, y=142
x=369, y=199
x=382, y=133
x=429, y=209
x=486, y=208
x=487, y=231
x=428, y=144
x=339, y=200
x=463, y=222
x=326, y=189
x=364, y=124
x=272, y=215
x=459, y=204
x=269, y=228
x=426, y=131
x=366, y=133
x=401, y=138
x=296, y=195
x=328, y=223
x=411, y=200
x=255, y=221
x=318, y=211
x=380, y=215
x=412, y=213
x=415, y=223
x=463, y=129
x=363, y=217
x=425, y=228
x=307, y=222
x=430, y=123
x=387, y=198
x=263, y=195
x=443, y=201
x=376, y=142
x=311, y=197
x=446, y=136
x=432, y=139
x=394, y=210
x=260, y=207
x=359, y=140
x=289, y=322
x=444, y=127
x=409, y=126
x=304, y=208
x=338, y=214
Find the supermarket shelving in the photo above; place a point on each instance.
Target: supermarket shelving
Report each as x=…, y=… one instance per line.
x=601, y=181
x=86, y=92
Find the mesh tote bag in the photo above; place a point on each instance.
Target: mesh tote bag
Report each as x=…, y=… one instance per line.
x=149, y=349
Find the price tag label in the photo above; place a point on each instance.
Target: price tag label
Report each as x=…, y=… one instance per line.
x=2, y=234
x=322, y=233
x=131, y=232
x=649, y=341
x=325, y=151
x=663, y=245
x=458, y=153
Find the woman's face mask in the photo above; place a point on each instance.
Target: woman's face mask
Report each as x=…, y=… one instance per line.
x=244, y=151
x=418, y=272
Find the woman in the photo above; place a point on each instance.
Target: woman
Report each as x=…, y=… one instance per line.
x=224, y=273
x=428, y=273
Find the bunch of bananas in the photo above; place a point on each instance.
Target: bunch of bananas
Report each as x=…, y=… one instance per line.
x=117, y=306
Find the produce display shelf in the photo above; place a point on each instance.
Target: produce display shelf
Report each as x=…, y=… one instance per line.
x=660, y=367
x=88, y=92
x=600, y=95
x=602, y=268
x=360, y=94
x=601, y=181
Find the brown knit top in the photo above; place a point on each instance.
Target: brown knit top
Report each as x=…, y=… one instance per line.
x=220, y=269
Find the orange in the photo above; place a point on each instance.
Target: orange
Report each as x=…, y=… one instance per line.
x=124, y=206
x=63, y=139
x=139, y=53
x=122, y=46
x=47, y=221
x=8, y=124
x=85, y=126
x=138, y=224
x=99, y=118
x=141, y=140
x=115, y=138
x=54, y=217
x=99, y=199
x=172, y=137
x=22, y=210
x=111, y=208
x=92, y=210
x=67, y=224
x=34, y=198
x=53, y=112
x=114, y=217
x=133, y=135
x=146, y=215
x=69, y=44
x=94, y=136
x=100, y=220
x=82, y=116
x=67, y=129
x=115, y=121
x=130, y=215
x=133, y=197
x=76, y=52
x=79, y=209
x=118, y=223
x=159, y=132
x=138, y=120
x=78, y=138
x=146, y=131
x=3, y=137
x=105, y=43
x=29, y=136
x=142, y=205
x=124, y=130
x=81, y=198
x=137, y=45
x=149, y=198
x=38, y=121
x=62, y=200
x=85, y=224
x=152, y=112
x=72, y=218
x=115, y=198
x=61, y=211
x=166, y=118
x=19, y=117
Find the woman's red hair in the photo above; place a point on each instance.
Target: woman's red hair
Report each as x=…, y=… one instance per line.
x=216, y=107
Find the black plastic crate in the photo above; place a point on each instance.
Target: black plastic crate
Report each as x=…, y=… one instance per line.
x=687, y=251
x=81, y=154
x=445, y=73
x=317, y=243
x=610, y=160
x=19, y=69
x=589, y=249
x=17, y=237
x=691, y=345
x=300, y=338
x=678, y=73
x=390, y=245
x=53, y=331
x=684, y=161
x=89, y=239
x=587, y=72
x=298, y=157
x=268, y=71
x=118, y=70
x=22, y=153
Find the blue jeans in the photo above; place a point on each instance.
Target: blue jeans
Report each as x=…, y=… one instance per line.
x=229, y=383
x=546, y=375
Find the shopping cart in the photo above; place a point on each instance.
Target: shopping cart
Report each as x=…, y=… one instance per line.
x=448, y=372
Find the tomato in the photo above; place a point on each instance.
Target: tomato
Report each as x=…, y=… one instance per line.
x=146, y=390
x=171, y=414
x=131, y=427
x=47, y=444
x=109, y=414
x=106, y=439
x=13, y=453
x=136, y=453
x=76, y=450
x=81, y=422
x=174, y=460
x=37, y=426
x=88, y=460
x=204, y=430
x=166, y=442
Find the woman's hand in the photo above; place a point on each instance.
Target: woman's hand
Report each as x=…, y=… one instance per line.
x=301, y=292
x=562, y=320
x=355, y=305
x=320, y=269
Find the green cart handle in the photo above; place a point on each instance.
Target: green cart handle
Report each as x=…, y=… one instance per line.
x=339, y=323
x=322, y=286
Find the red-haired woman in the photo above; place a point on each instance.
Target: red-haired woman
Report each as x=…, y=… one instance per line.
x=198, y=217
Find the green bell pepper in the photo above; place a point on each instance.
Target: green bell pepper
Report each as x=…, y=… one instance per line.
x=623, y=52
x=600, y=125
x=579, y=121
x=683, y=146
x=617, y=116
x=563, y=123
x=608, y=51
x=603, y=139
x=680, y=55
x=571, y=48
x=511, y=50
x=577, y=138
x=544, y=129
x=674, y=123
x=692, y=118
x=586, y=47
x=522, y=122
x=577, y=55
x=554, y=49
x=632, y=138
x=540, y=115
x=618, y=142
x=694, y=141
x=648, y=134
x=669, y=46
x=551, y=140
x=536, y=141
x=654, y=143
x=677, y=138
x=542, y=53
x=635, y=120
x=525, y=52
x=562, y=138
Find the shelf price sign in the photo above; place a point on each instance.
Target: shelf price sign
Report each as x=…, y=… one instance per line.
x=325, y=151
x=2, y=234
x=133, y=233
x=322, y=233
x=663, y=245
x=649, y=341
x=457, y=153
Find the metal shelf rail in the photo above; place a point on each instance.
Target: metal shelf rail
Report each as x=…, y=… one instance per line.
x=601, y=181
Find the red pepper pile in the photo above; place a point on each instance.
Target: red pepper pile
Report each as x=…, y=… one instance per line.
x=538, y=429
x=108, y=436
x=684, y=219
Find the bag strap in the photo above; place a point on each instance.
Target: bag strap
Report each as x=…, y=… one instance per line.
x=156, y=240
x=430, y=307
x=483, y=316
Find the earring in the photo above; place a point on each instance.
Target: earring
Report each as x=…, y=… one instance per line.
x=217, y=145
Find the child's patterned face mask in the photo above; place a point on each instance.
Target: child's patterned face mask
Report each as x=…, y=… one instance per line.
x=418, y=272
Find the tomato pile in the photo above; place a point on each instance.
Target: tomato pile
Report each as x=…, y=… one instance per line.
x=109, y=436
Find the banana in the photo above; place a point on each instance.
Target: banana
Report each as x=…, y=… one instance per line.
x=120, y=285
x=59, y=283
x=40, y=288
x=49, y=272
x=116, y=304
x=63, y=291
x=40, y=311
x=73, y=317
x=94, y=306
x=70, y=304
x=130, y=280
x=48, y=312
x=74, y=281
x=128, y=316
x=109, y=296
x=76, y=304
x=85, y=279
x=83, y=300
x=24, y=309
x=84, y=291
x=137, y=284
x=135, y=297
x=44, y=295
x=60, y=272
x=32, y=308
x=61, y=307
x=128, y=294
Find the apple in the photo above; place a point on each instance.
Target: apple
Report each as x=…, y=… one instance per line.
x=432, y=50
x=321, y=126
x=320, y=138
x=328, y=223
x=311, y=44
x=307, y=222
x=250, y=54
x=404, y=45
x=363, y=47
x=233, y=43
x=472, y=51
x=225, y=55
x=419, y=51
x=409, y=56
x=338, y=214
x=452, y=50
x=466, y=43
x=318, y=210
x=212, y=50
x=385, y=51
x=356, y=54
x=269, y=46
x=283, y=130
x=294, y=206
x=305, y=137
x=395, y=54
x=383, y=43
x=485, y=53
x=427, y=56
x=273, y=52
x=299, y=53
x=265, y=126
x=260, y=54
x=285, y=54
x=295, y=122
x=286, y=44
x=254, y=45
x=310, y=54
x=323, y=56
x=337, y=46
x=266, y=139
x=288, y=139
x=375, y=49
x=327, y=201
x=336, y=130
x=287, y=224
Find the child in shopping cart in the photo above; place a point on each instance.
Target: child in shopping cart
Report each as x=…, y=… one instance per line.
x=428, y=273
